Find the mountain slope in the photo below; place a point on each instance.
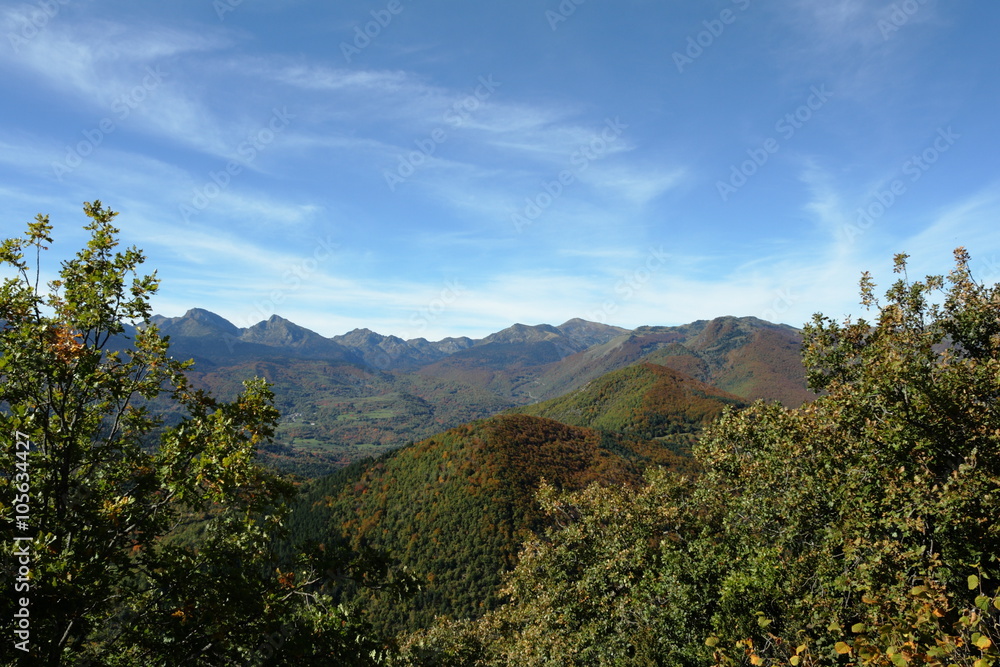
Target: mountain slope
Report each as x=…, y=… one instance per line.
x=214, y=341
x=454, y=508
x=509, y=362
x=393, y=353
x=342, y=412
x=745, y=356
x=644, y=401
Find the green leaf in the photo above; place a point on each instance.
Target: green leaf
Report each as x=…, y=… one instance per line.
x=973, y=582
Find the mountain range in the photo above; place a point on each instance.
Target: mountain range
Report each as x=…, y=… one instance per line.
x=363, y=393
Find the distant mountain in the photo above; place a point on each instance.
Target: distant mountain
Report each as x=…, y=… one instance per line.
x=745, y=356
x=196, y=323
x=363, y=393
x=455, y=507
x=300, y=342
x=391, y=352
x=213, y=340
x=750, y=358
x=587, y=334
x=573, y=336
x=444, y=347
x=643, y=401
x=508, y=362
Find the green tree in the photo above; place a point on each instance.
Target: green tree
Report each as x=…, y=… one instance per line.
x=857, y=521
x=107, y=487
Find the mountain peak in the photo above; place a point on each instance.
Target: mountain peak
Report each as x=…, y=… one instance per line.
x=523, y=333
x=586, y=333
x=196, y=322
x=277, y=332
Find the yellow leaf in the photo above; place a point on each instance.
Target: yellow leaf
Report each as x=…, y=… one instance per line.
x=795, y=660
x=842, y=648
x=973, y=582
x=984, y=642
x=711, y=641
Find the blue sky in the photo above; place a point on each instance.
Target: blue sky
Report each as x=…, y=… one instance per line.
x=429, y=169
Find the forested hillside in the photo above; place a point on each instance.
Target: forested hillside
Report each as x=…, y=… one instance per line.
x=455, y=508
x=744, y=356
x=642, y=402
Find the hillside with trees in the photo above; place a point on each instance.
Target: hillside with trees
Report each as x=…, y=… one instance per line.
x=643, y=402
x=454, y=509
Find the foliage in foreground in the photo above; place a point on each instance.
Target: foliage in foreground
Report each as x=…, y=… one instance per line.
x=102, y=585
x=860, y=529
